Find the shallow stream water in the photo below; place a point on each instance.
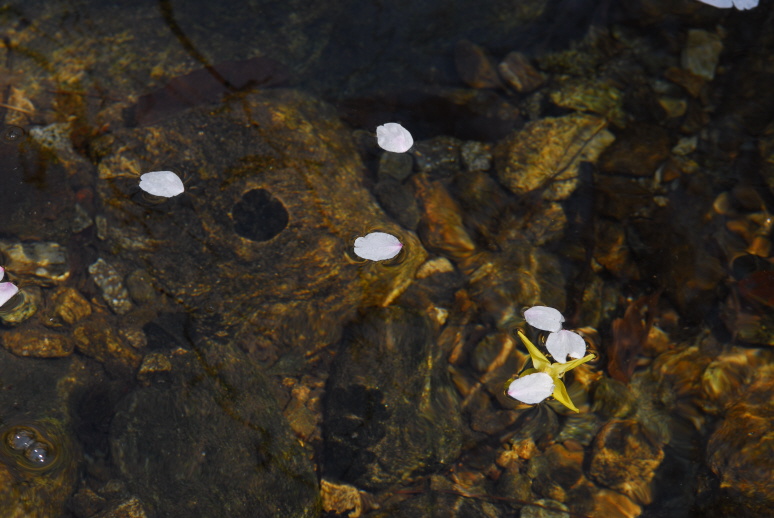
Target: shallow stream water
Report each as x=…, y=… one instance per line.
x=225, y=352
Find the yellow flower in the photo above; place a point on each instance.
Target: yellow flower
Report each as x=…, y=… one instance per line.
x=537, y=385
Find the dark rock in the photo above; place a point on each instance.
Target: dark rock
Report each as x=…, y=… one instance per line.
x=438, y=157
x=702, y=53
x=273, y=183
x=513, y=484
x=397, y=166
x=205, y=86
x=637, y=151
x=621, y=198
x=398, y=201
x=442, y=498
x=441, y=219
x=476, y=68
x=483, y=201
x=611, y=250
x=613, y=398
x=173, y=441
x=476, y=156
x=97, y=338
x=129, y=508
x=545, y=508
x=390, y=408
x=86, y=503
x=518, y=72
x=556, y=471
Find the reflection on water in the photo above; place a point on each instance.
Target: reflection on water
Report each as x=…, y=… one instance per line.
x=225, y=351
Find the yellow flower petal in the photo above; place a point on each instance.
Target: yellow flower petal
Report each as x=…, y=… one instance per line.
x=560, y=394
x=540, y=362
x=558, y=369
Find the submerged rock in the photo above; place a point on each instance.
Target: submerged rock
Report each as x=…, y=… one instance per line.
x=595, y=96
x=702, y=53
x=43, y=262
x=390, y=409
x=625, y=458
x=177, y=440
x=475, y=67
x=546, y=154
x=637, y=151
x=38, y=342
x=261, y=239
x=518, y=72
x=739, y=453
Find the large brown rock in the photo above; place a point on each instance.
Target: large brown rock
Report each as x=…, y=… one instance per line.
x=545, y=155
x=261, y=240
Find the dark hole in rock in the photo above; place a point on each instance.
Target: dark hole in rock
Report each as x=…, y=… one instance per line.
x=259, y=216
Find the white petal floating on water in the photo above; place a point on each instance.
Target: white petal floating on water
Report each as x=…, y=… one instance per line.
x=531, y=389
x=377, y=246
x=565, y=343
x=745, y=4
x=394, y=137
x=722, y=4
x=725, y=4
x=162, y=183
x=545, y=318
x=7, y=290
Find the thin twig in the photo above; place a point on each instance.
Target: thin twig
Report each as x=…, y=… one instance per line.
x=28, y=112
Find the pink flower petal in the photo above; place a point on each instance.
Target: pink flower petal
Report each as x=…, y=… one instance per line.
x=394, y=137
x=377, y=246
x=565, y=343
x=722, y=4
x=531, y=389
x=162, y=183
x=743, y=5
x=545, y=318
x=7, y=290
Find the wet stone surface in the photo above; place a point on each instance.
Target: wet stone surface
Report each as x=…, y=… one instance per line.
x=44, y=261
x=227, y=305
x=625, y=459
x=38, y=342
x=229, y=423
x=273, y=183
x=112, y=285
x=739, y=453
x=390, y=410
x=546, y=154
